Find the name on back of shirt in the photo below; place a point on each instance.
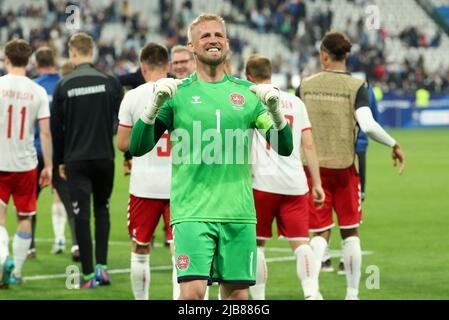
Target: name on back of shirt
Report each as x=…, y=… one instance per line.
x=27, y=96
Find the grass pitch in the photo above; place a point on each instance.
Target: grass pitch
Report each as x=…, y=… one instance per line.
x=405, y=231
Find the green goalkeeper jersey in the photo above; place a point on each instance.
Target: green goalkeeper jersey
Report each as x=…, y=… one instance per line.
x=211, y=125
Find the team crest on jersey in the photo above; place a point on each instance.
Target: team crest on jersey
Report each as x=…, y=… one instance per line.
x=237, y=99
x=183, y=262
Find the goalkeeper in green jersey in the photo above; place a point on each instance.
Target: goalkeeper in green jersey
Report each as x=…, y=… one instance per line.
x=210, y=117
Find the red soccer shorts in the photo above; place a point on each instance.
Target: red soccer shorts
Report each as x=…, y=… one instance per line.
x=291, y=213
x=143, y=218
x=22, y=186
x=343, y=194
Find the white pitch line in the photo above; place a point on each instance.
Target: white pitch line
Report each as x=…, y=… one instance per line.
x=114, y=243
x=332, y=253
x=170, y=267
x=113, y=271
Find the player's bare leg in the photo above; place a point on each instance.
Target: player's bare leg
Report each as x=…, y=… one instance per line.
x=193, y=290
x=258, y=290
x=140, y=271
x=176, y=286
x=352, y=257
x=234, y=291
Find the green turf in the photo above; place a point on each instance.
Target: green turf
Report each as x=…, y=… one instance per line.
x=405, y=226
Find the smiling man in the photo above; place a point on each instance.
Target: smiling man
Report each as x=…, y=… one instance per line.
x=212, y=206
x=182, y=62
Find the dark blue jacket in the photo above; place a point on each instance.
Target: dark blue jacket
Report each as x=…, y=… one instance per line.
x=48, y=81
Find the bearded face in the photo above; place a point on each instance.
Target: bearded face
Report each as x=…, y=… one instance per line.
x=209, y=43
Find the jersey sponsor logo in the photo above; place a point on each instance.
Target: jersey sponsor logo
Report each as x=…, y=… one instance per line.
x=183, y=262
x=237, y=99
x=196, y=100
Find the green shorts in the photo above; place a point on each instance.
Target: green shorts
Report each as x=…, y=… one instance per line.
x=216, y=252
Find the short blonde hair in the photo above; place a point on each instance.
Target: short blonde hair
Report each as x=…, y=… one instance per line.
x=202, y=18
x=259, y=67
x=181, y=48
x=82, y=43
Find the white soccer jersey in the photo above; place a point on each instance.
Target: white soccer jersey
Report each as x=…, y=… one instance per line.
x=151, y=173
x=22, y=103
x=276, y=174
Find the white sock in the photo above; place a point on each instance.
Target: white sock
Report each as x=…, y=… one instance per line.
x=20, y=245
x=326, y=255
x=4, y=245
x=306, y=271
x=176, y=289
x=258, y=291
x=58, y=218
x=319, y=245
x=352, y=255
x=140, y=275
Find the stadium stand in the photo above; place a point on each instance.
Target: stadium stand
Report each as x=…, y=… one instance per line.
x=401, y=56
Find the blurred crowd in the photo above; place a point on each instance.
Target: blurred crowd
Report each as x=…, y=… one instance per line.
x=303, y=31
x=300, y=30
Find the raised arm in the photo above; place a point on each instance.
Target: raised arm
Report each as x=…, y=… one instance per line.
x=273, y=123
x=145, y=136
x=148, y=130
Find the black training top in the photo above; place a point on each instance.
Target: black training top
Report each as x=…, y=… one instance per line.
x=85, y=106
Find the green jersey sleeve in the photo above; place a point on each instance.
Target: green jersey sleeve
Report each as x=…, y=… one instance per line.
x=264, y=122
x=280, y=140
x=166, y=114
x=145, y=136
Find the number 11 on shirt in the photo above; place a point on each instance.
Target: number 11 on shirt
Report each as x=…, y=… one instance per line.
x=23, y=113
